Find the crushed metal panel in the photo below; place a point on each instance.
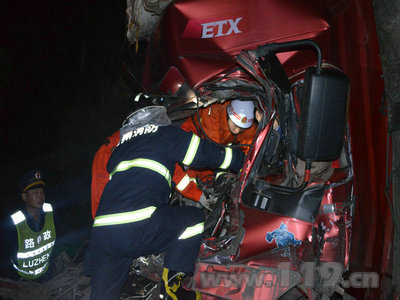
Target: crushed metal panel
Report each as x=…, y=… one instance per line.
x=143, y=16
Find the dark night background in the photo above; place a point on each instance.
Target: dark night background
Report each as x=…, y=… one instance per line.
x=61, y=95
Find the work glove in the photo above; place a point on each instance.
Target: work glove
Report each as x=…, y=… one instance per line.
x=207, y=202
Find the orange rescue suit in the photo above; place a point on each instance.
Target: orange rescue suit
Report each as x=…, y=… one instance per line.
x=214, y=120
x=100, y=175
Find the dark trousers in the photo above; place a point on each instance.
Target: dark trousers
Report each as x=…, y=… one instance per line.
x=112, y=248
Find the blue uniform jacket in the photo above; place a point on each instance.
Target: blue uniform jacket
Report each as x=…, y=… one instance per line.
x=138, y=187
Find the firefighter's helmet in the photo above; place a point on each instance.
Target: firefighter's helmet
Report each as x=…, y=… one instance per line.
x=241, y=113
x=142, y=100
x=146, y=111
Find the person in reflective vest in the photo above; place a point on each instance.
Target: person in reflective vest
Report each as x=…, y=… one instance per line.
x=134, y=219
x=31, y=234
x=228, y=123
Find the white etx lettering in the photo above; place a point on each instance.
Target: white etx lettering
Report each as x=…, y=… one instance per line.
x=140, y=131
x=224, y=27
x=36, y=261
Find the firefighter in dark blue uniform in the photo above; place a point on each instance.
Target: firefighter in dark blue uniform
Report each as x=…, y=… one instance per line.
x=134, y=218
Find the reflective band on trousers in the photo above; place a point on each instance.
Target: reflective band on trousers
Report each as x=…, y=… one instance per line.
x=192, y=150
x=126, y=217
x=228, y=158
x=192, y=231
x=143, y=163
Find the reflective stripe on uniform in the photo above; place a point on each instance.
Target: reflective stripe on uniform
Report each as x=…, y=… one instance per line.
x=184, y=183
x=47, y=207
x=192, y=231
x=126, y=217
x=36, y=251
x=143, y=163
x=228, y=158
x=18, y=217
x=192, y=150
x=36, y=272
x=219, y=174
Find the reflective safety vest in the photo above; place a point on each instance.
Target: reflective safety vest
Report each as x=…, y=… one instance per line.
x=34, y=248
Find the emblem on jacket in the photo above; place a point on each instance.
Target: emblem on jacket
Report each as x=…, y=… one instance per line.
x=283, y=238
x=140, y=131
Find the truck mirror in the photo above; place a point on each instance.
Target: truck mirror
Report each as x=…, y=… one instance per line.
x=323, y=116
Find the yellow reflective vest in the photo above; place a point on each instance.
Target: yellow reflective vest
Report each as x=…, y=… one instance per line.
x=34, y=248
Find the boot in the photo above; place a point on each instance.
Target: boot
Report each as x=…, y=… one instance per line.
x=171, y=287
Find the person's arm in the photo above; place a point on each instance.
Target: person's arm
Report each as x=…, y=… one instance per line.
x=185, y=185
x=200, y=153
x=100, y=176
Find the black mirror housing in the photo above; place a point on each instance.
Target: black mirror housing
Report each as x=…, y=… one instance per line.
x=323, y=115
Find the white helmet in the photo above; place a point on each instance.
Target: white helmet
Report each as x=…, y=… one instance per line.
x=241, y=113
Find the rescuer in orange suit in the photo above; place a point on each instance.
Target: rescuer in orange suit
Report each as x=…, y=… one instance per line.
x=228, y=123
x=100, y=176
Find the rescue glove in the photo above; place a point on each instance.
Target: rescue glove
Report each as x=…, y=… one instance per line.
x=208, y=201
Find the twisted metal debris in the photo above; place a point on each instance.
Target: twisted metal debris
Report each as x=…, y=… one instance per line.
x=70, y=283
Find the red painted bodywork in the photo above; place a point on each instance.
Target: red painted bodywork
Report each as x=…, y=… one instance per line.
x=256, y=227
x=345, y=31
x=199, y=59
x=359, y=52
